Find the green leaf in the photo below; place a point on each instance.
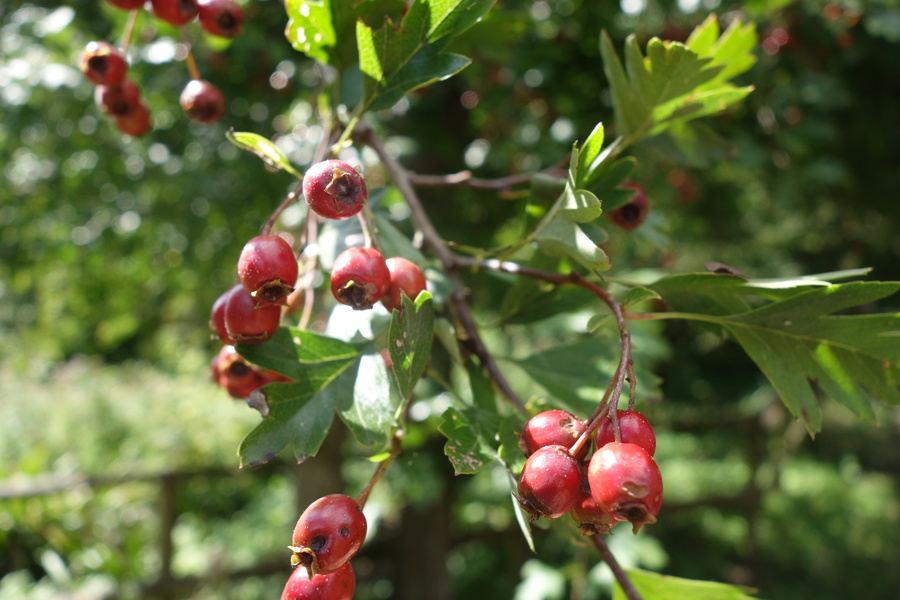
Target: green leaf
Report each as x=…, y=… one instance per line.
x=564, y=238
x=370, y=416
x=590, y=151
x=263, y=148
x=411, y=335
x=470, y=438
x=396, y=60
x=310, y=27
x=302, y=355
x=798, y=340
x=394, y=243
x=653, y=586
x=576, y=205
x=604, y=181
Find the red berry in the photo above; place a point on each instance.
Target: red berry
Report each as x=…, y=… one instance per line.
x=631, y=214
x=103, y=63
x=268, y=269
x=339, y=585
x=202, y=101
x=334, y=189
x=551, y=427
x=217, y=315
x=176, y=12
x=550, y=483
x=118, y=100
x=234, y=374
x=633, y=428
x=360, y=277
x=626, y=483
x=591, y=518
x=221, y=17
x=136, y=122
x=247, y=324
x=328, y=534
x=406, y=278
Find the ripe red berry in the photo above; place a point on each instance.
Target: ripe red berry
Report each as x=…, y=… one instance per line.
x=268, y=269
x=202, y=101
x=550, y=483
x=334, y=190
x=591, y=518
x=176, y=12
x=217, y=315
x=136, y=122
x=551, y=427
x=118, y=100
x=631, y=214
x=231, y=372
x=633, y=428
x=127, y=4
x=339, y=585
x=247, y=324
x=221, y=17
x=626, y=483
x=406, y=278
x=103, y=63
x=360, y=277
x=328, y=534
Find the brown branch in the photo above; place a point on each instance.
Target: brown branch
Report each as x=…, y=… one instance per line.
x=438, y=247
x=621, y=576
x=465, y=178
x=380, y=471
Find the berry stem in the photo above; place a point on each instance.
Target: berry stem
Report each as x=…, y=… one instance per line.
x=621, y=576
x=128, y=33
x=189, y=59
x=380, y=470
x=436, y=244
x=369, y=228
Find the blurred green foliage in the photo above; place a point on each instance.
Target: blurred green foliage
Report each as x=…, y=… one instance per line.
x=115, y=249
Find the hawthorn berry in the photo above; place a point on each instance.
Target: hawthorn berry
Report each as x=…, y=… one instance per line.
x=176, y=12
x=136, y=122
x=339, y=585
x=247, y=324
x=631, y=214
x=559, y=427
x=202, y=101
x=626, y=483
x=103, y=64
x=118, y=100
x=633, y=428
x=328, y=534
x=551, y=482
x=334, y=190
x=267, y=268
x=591, y=518
x=231, y=372
x=217, y=315
x=360, y=277
x=406, y=278
x=220, y=17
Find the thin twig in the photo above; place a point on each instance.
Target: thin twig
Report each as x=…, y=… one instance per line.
x=380, y=471
x=191, y=63
x=465, y=178
x=129, y=29
x=621, y=576
x=436, y=244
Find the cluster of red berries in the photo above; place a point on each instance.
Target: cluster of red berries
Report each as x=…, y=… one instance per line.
x=619, y=482
x=328, y=534
x=360, y=277
x=106, y=65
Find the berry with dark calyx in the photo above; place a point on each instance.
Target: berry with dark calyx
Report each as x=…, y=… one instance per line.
x=267, y=268
x=247, y=324
x=221, y=17
x=235, y=375
x=406, y=278
x=328, y=534
x=551, y=482
x=626, y=483
x=559, y=427
x=360, y=277
x=217, y=315
x=127, y=4
x=339, y=585
x=176, y=12
x=633, y=428
x=631, y=214
x=103, y=64
x=118, y=100
x=202, y=101
x=591, y=518
x=334, y=190
x=136, y=123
